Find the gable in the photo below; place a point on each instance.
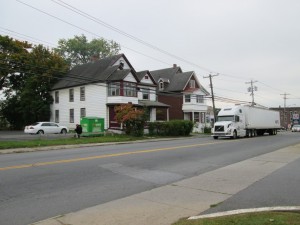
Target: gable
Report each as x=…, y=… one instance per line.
x=130, y=78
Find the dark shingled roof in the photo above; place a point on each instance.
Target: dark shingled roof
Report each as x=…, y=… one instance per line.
x=119, y=75
x=148, y=103
x=177, y=78
x=141, y=74
x=98, y=71
x=165, y=73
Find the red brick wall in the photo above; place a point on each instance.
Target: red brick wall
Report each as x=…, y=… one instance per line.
x=175, y=110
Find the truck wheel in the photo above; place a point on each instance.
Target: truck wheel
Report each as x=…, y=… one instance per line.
x=234, y=135
x=215, y=137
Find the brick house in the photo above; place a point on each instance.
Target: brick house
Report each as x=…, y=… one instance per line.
x=184, y=93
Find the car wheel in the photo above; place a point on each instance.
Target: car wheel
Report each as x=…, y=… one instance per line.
x=63, y=131
x=40, y=132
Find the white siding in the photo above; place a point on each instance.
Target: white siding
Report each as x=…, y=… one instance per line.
x=130, y=78
x=95, y=104
x=122, y=99
x=126, y=66
x=147, y=81
x=152, y=92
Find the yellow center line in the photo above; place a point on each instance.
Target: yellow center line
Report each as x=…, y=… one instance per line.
x=105, y=156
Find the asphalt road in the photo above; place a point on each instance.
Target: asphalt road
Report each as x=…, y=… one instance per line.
x=39, y=185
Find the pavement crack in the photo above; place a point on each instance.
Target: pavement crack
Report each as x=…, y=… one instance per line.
x=199, y=189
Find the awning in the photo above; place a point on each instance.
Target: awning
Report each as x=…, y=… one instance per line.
x=153, y=104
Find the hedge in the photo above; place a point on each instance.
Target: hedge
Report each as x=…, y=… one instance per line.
x=171, y=128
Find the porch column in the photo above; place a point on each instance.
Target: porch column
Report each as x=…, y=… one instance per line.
x=167, y=114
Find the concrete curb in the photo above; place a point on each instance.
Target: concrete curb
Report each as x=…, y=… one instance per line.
x=252, y=210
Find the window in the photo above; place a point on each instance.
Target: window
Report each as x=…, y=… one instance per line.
x=146, y=77
x=71, y=115
x=192, y=83
x=56, y=116
x=146, y=94
x=161, y=85
x=199, y=99
x=82, y=112
x=129, y=89
x=187, y=98
x=71, y=95
x=82, y=93
x=56, y=97
x=114, y=89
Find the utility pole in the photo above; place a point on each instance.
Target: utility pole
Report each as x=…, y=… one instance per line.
x=252, y=89
x=284, y=112
x=212, y=93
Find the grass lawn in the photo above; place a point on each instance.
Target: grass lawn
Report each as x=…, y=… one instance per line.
x=262, y=218
x=41, y=142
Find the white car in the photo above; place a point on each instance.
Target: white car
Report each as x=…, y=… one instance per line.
x=45, y=128
x=296, y=128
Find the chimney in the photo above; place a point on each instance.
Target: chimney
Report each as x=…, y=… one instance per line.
x=94, y=58
x=174, y=65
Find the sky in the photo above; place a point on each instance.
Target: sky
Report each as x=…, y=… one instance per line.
x=235, y=41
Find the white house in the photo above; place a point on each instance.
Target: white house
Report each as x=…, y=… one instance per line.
x=95, y=88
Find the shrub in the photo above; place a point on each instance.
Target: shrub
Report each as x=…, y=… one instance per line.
x=171, y=128
x=207, y=130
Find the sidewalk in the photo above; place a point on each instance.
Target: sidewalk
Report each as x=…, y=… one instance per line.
x=189, y=197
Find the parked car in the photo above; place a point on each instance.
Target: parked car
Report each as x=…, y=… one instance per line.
x=296, y=128
x=45, y=128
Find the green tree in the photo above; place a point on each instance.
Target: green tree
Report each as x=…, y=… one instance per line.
x=13, y=56
x=78, y=50
x=28, y=77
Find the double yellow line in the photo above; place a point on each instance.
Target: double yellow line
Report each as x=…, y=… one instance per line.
x=105, y=156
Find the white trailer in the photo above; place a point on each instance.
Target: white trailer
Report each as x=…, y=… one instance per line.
x=245, y=121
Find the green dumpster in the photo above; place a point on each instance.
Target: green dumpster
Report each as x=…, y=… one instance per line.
x=92, y=126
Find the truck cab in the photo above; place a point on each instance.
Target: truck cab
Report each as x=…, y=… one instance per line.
x=230, y=122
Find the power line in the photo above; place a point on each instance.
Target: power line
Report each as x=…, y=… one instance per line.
x=101, y=22
x=82, y=80
x=87, y=31
x=70, y=7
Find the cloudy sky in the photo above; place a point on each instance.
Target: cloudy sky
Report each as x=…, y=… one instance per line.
x=241, y=40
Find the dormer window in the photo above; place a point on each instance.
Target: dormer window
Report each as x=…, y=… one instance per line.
x=146, y=77
x=161, y=85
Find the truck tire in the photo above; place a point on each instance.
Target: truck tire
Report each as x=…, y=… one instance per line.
x=234, y=135
x=215, y=137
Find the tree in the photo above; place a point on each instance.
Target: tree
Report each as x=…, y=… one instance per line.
x=78, y=50
x=132, y=118
x=13, y=56
x=28, y=76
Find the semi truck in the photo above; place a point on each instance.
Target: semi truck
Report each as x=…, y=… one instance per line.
x=245, y=121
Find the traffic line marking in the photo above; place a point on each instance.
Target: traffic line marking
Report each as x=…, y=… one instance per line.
x=105, y=156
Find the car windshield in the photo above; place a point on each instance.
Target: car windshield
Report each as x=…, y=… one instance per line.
x=225, y=118
x=296, y=126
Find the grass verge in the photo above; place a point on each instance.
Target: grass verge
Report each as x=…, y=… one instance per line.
x=42, y=141
x=261, y=218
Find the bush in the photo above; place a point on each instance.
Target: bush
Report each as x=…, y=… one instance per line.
x=207, y=130
x=171, y=128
